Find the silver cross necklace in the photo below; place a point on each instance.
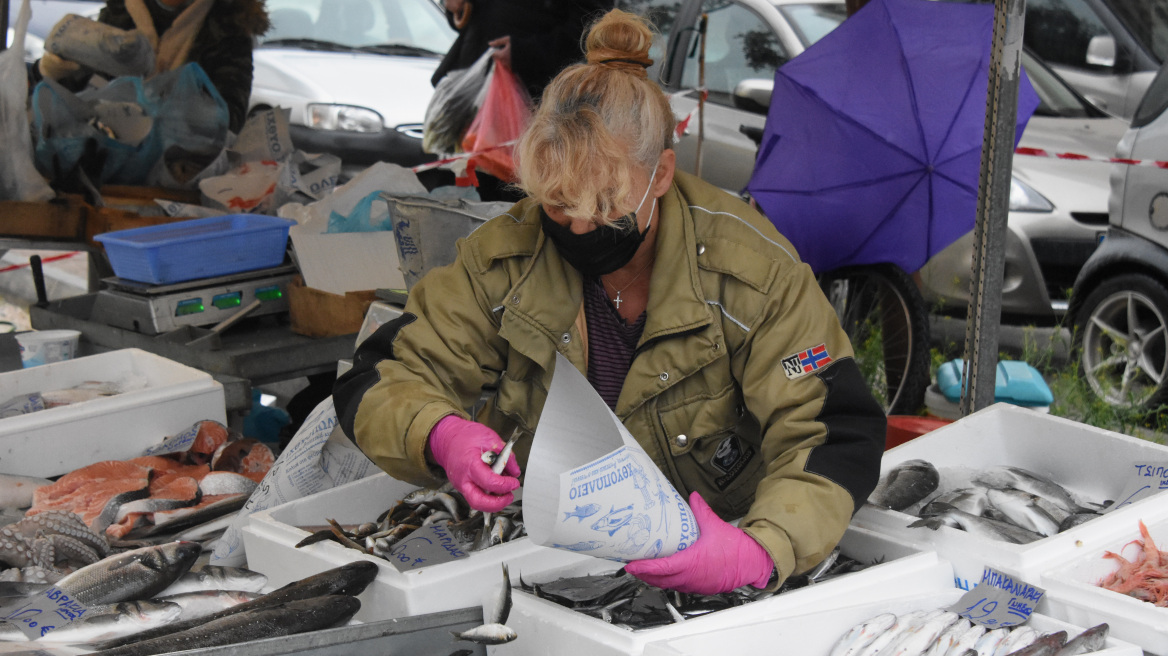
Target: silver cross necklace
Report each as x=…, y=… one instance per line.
x=617, y=301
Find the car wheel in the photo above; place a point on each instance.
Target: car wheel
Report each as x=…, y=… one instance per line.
x=1121, y=333
x=881, y=310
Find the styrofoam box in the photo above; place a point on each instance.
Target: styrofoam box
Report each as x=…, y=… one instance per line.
x=900, y=568
x=1072, y=593
x=58, y=440
x=270, y=536
x=816, y=633
x=1092, y=463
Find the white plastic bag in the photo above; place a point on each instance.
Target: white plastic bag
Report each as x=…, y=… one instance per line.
x=19, y=179
x=453, y=106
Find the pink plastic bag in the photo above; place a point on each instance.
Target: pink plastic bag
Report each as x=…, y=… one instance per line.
x=503, y=116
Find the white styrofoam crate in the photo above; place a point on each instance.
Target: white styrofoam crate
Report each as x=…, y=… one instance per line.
x=1092, y=463
x=816, y=633
x=899, y=567
x=270, y=537
x=1072, y=593
x=165, y=398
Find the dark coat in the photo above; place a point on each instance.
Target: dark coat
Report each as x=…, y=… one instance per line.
x=546, y=36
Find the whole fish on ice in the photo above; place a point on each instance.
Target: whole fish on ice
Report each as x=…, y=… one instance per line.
x=217, y=577
x=136, y=574
x=495, y=630
x=906, y=484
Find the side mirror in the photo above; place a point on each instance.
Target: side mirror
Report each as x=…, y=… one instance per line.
x=754, y=95
x=1101, y=51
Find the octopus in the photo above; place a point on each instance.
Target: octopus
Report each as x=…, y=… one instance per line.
x=46, y=546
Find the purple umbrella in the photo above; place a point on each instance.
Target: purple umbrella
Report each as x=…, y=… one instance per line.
x=872, y=145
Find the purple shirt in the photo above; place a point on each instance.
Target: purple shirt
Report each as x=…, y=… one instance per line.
x=612, y=342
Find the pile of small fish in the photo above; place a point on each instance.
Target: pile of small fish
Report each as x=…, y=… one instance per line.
x=1146, y=577
x=474, y=530
x=621, y=599
x=1004, y=503
x=944, y=633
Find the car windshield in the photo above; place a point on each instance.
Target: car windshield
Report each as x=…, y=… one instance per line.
x=397, y=27
x=813, y=21
x=1055, y=97
x=1147, y=21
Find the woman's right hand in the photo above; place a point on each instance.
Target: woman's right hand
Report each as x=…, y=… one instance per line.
x=53, y=67
x=458, y=446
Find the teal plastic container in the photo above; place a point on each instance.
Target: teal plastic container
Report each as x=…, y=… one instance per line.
x=1016, y=382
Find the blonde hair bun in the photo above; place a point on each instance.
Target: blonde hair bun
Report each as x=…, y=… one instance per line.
x=620, y=40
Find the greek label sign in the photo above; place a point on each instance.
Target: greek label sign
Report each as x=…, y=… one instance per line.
x=998, y=600
x=1145, y=479
x=43, y=612
x=429, y=545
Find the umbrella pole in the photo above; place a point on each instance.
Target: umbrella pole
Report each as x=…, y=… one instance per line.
x=979, y=375
x=701, y=93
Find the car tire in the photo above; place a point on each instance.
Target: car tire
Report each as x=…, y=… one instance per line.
x=1121, y=339
x=882, y=312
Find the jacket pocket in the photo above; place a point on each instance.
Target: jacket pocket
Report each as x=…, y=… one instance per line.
x=713, y=449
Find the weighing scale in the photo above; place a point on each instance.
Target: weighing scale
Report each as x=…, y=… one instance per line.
x=156, y=309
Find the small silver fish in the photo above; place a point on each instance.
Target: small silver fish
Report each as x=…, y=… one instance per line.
x=862, y=635
x=487, y=634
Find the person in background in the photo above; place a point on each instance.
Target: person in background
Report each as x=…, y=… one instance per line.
x=217, y=34
x=691, y=316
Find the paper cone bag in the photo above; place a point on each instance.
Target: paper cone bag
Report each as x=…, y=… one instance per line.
x=591, y=488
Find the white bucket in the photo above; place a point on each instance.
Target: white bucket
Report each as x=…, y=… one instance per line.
x=44, y=346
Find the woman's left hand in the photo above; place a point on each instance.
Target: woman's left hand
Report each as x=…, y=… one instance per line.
x=723, y=558
x=503, y=54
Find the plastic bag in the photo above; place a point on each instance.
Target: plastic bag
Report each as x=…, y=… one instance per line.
x=505, y=113
x=456, y=99
x=19, y=179
x=364, y=217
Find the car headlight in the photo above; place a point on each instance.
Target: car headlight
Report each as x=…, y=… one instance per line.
x=344, y=117
x=1023, y=198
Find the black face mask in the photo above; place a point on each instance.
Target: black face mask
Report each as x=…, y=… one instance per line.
x=605, y=249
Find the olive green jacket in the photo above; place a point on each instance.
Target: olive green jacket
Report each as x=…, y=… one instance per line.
x=716, y=393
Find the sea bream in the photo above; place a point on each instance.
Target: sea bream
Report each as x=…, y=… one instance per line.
x=906, y=484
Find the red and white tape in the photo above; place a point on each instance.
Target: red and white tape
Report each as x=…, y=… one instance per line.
x=1038, y=152
x=459, y=157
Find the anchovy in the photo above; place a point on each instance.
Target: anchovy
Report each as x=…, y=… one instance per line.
x=105, y=622
x=981, y=526
x=288, y=618
x=906, y=484
x=1019, y=506
x=215, y=577
x=137, y=574
x=348, y=579
x=1027, y=481
x=1093, y=639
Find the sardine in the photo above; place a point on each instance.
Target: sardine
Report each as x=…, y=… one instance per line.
x=1020, y=479
x=283, y=619
x=980, y=526
x=862, y=635
x=215, y=577
x=348, y=579
x=201, y=603
x=104, y=622
x=1020, y=507
x=1093, y=639
x=136, y=574
x=906, y=484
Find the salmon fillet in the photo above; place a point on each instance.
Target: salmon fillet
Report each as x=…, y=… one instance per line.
x=168, y=491
x=210, y=437
x=95, y=492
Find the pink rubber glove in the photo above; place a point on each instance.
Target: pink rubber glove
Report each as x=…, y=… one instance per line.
x=458, y=446
x=723, y=558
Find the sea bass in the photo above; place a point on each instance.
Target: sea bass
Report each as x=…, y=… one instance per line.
x=136, y=574
x=215, y=577
x=906, y=484
x=202, y=603
x=104, y=622
x=348, y=579
x=283, y=619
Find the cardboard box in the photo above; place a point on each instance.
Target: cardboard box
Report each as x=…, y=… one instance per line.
x=898, y=569
x=317, y=313
x=816, y=633
x=1072, y=593
x=166, y=398
x=1090, y=462
x=270, y=536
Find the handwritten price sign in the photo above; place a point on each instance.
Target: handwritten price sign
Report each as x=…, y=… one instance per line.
x=1145, y=479
x=429, y=545
x=998, y=600
x=45, y=611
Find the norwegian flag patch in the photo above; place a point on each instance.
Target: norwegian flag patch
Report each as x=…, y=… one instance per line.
x=806, y=362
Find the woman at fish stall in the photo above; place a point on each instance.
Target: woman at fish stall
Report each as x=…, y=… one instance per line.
x=689, y=313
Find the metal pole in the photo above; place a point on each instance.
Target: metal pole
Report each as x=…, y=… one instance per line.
x=701, y=93
x=4, y=24
x=993, y=205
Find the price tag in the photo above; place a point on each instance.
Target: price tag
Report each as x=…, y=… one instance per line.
x=1146, y=479
x=46, y=610
x=998, y=600
x=429, y=545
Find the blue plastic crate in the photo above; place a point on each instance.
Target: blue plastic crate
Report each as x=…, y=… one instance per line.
x=1015, y=382
x=199, y=248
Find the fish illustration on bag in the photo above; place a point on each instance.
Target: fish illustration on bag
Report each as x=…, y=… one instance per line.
x=581, y=512
x=580, y=546
x=614, y=519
